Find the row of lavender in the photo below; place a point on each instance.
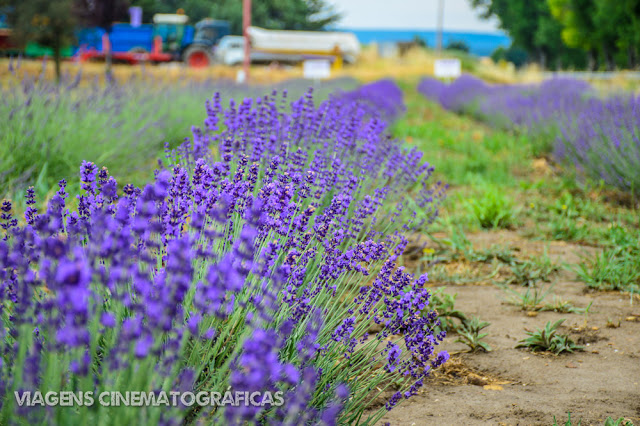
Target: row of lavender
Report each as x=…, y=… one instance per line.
x=599, y=137
x=256, y=261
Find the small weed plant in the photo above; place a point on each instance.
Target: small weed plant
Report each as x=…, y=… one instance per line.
x=548, y=339
x=470, y=333
x=469, y=330
x=493, y=209
x=617, y=422
x=444, y=303
x=529, y=300
x=529, y=272
x=568, y=422
x=610, y=421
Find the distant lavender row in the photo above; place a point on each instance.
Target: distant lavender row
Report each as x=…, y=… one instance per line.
x=257, y=260
x=383, y=97
x=600, y=137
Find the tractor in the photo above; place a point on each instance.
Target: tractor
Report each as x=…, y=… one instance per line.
x=168, y=39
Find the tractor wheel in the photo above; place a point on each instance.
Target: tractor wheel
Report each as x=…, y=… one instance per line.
x=198, y=57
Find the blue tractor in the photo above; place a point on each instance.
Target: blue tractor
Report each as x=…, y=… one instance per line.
x=169, y=38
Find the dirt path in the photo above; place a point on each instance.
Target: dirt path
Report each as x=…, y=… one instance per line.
x=511, y=386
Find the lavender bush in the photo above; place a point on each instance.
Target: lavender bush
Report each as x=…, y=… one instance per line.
x=603, y=141
x=432, y=88
x=528, y=106
x=257, y=260
x=383, y=98
x=459, y=95
x=599, y=137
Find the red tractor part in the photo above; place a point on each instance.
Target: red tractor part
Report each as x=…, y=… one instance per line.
x=6, y=44
x=133, y=57
x=198, y=57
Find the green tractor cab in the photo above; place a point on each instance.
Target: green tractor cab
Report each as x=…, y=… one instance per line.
x=176, y=35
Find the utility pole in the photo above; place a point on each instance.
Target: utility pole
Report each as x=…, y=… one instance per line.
x=439, y=26
x=246, y=23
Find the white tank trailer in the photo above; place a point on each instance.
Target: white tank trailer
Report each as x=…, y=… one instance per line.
x=289, y=46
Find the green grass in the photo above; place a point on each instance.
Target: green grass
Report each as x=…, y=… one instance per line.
x=462, y=150
x=569, y=422
x=494, y=185
x=478, y=163
x=615, y=268
x=492, y=208
x=621, y=421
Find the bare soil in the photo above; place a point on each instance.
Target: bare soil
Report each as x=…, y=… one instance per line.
x=509, y=386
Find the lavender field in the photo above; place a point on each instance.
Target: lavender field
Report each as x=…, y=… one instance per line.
x=343, y=254
x=255, y=258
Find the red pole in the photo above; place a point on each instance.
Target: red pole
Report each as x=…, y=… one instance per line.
x=439, y=33
x=246, y=23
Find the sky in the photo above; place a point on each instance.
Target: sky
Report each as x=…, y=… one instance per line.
x=410, y=14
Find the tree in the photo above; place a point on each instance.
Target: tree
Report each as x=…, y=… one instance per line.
x=195, y=9
x=102, y=14
x=572, y=31
x=419, y=41
x=516, y=55
x=578, y=26
x=47, y=22
x=617, y=28
x=272, y=14
x=530, y=26
x=606, y=30
x=458, y=45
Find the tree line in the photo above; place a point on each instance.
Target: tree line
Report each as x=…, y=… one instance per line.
x=583, y=34
x=272, y=14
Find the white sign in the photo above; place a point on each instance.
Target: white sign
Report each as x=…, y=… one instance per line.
x=448, y=68
x=316, y=68
x=241, y=77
